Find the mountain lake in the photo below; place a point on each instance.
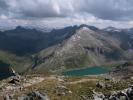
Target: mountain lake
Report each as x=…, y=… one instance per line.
x=96, y=70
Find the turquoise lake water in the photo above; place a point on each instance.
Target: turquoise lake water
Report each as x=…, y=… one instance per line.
x=86, y=71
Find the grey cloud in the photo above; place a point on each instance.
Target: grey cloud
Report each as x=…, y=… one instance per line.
x=3, y=7
x=102, y=9
x=3, y=4
x=111, y=9
x=36, y=8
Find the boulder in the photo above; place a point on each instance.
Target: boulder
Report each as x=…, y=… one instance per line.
x=100, y=85
x=98, y=96
x=62, y=90
x=15, y=80
x=35, y=95
x=130, y=93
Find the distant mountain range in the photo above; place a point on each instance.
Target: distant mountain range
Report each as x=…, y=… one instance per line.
x=23, y=41
x=70, y=47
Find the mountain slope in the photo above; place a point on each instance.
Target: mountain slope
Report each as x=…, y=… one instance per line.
x=84, y=48
x=21, y=41
x=125, y=36
x=19, y=64
x=70, y=47
x=18, y=45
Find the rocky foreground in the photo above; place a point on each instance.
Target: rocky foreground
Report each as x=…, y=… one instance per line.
x=38, y=87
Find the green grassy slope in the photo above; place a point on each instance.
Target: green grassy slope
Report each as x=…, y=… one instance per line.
x=19, y=64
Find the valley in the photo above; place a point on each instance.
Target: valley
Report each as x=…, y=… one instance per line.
x=72, y=63
x=71, y=47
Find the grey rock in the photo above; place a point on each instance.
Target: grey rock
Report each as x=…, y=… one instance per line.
x=61, y=90
x=34, y=95
x=100, y=85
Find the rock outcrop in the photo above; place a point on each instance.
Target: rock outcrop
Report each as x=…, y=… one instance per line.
x=35, y=95
x=126, y=94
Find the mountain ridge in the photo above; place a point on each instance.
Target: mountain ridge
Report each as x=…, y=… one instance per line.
x=70, y=47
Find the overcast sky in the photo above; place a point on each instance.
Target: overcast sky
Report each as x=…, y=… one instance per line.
x=101, y=13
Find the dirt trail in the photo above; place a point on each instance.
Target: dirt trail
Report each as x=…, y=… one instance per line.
x=12, y=89
x=33, y=81
x=82, y=81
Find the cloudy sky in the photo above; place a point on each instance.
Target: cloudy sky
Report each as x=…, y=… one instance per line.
x=101, y=13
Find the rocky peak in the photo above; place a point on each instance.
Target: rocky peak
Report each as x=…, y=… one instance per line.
x=90, y=27
x=19, y=27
